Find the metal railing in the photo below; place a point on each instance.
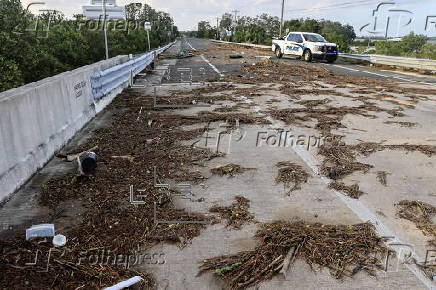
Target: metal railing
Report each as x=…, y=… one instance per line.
x=106, y=81
x=408, y=62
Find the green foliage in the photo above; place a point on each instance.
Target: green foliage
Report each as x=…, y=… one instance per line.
x=27, y=56
x=205, y=30
x=12, y=78
x=223, y=270
x=429, y=51
x=412, y=45
x=263, y=28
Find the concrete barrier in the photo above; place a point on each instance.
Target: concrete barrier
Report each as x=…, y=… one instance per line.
x=37, y=119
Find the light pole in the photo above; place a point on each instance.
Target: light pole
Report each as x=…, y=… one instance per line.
x=217, y=28
x=281, y=19
x=104, y=29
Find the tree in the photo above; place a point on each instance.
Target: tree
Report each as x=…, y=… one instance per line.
x=414, y=43
x=68, y=44
x=12, y=77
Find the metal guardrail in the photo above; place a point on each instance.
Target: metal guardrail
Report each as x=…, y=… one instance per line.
x=365, y=57
x=416, y=63
x=104, y=82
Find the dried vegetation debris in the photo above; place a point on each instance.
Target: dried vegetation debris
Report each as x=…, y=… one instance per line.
x=344, y=249
x=352, y=191
x=232, y=119
x=230, y=170
x=67, y=269
x=291, y=173
x=110, y=221
x=382, y=177
x=237, y=214
x=421, y=214
x=339, y=160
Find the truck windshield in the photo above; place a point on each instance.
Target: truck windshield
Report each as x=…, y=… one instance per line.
x=314, y=38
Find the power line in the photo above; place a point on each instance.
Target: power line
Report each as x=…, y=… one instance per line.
x=339, y=6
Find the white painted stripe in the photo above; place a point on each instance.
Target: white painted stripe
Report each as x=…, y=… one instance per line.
x=344, y=67
x=193, y=48
x=366, y=215
x=212, y=66
x=412, y=81
x=373, y=73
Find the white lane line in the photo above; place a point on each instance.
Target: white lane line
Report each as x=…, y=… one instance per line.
x=344, y=67
x=364, y=213
x=385, y=76
x=193, y=48
x=373, y=73
x=212, y=66
x=412, y=81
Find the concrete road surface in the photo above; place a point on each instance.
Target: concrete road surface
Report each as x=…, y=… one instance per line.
x=410, y=175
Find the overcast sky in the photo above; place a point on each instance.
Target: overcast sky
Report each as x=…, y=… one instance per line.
x=187, y=13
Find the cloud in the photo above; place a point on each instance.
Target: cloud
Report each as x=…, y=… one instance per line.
x=187, y=13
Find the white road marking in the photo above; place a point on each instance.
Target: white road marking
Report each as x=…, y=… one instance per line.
x=212, y=66
x=366, y=215
x=373, y=73
x=344, y=67
x=193, y=48
x=412, y=81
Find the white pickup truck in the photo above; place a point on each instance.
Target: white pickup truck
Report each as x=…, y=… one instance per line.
x=306, y=45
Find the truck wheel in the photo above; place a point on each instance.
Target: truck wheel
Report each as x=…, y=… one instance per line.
x=279, y=54
x=331, y=60
x=307, y=55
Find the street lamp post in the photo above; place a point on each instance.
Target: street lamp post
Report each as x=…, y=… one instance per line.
x=281, y=19
x=105, y=30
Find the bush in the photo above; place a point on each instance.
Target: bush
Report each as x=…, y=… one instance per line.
x=411, y=45
x=11, y=75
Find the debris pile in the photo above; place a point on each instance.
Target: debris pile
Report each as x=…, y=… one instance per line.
x=291, y=173
x=382, y=177
x=230, y=170
x=232, y=119
x=344, y=249
x=110, y=220
x=352, y=191
x=339, y=160
x=237, y=214
x=421, y=214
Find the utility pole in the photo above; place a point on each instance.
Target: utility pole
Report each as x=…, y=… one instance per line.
x=236, y=20
x=217, y=28
x=281, y=19
x=104, y=29
x=236, y=12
